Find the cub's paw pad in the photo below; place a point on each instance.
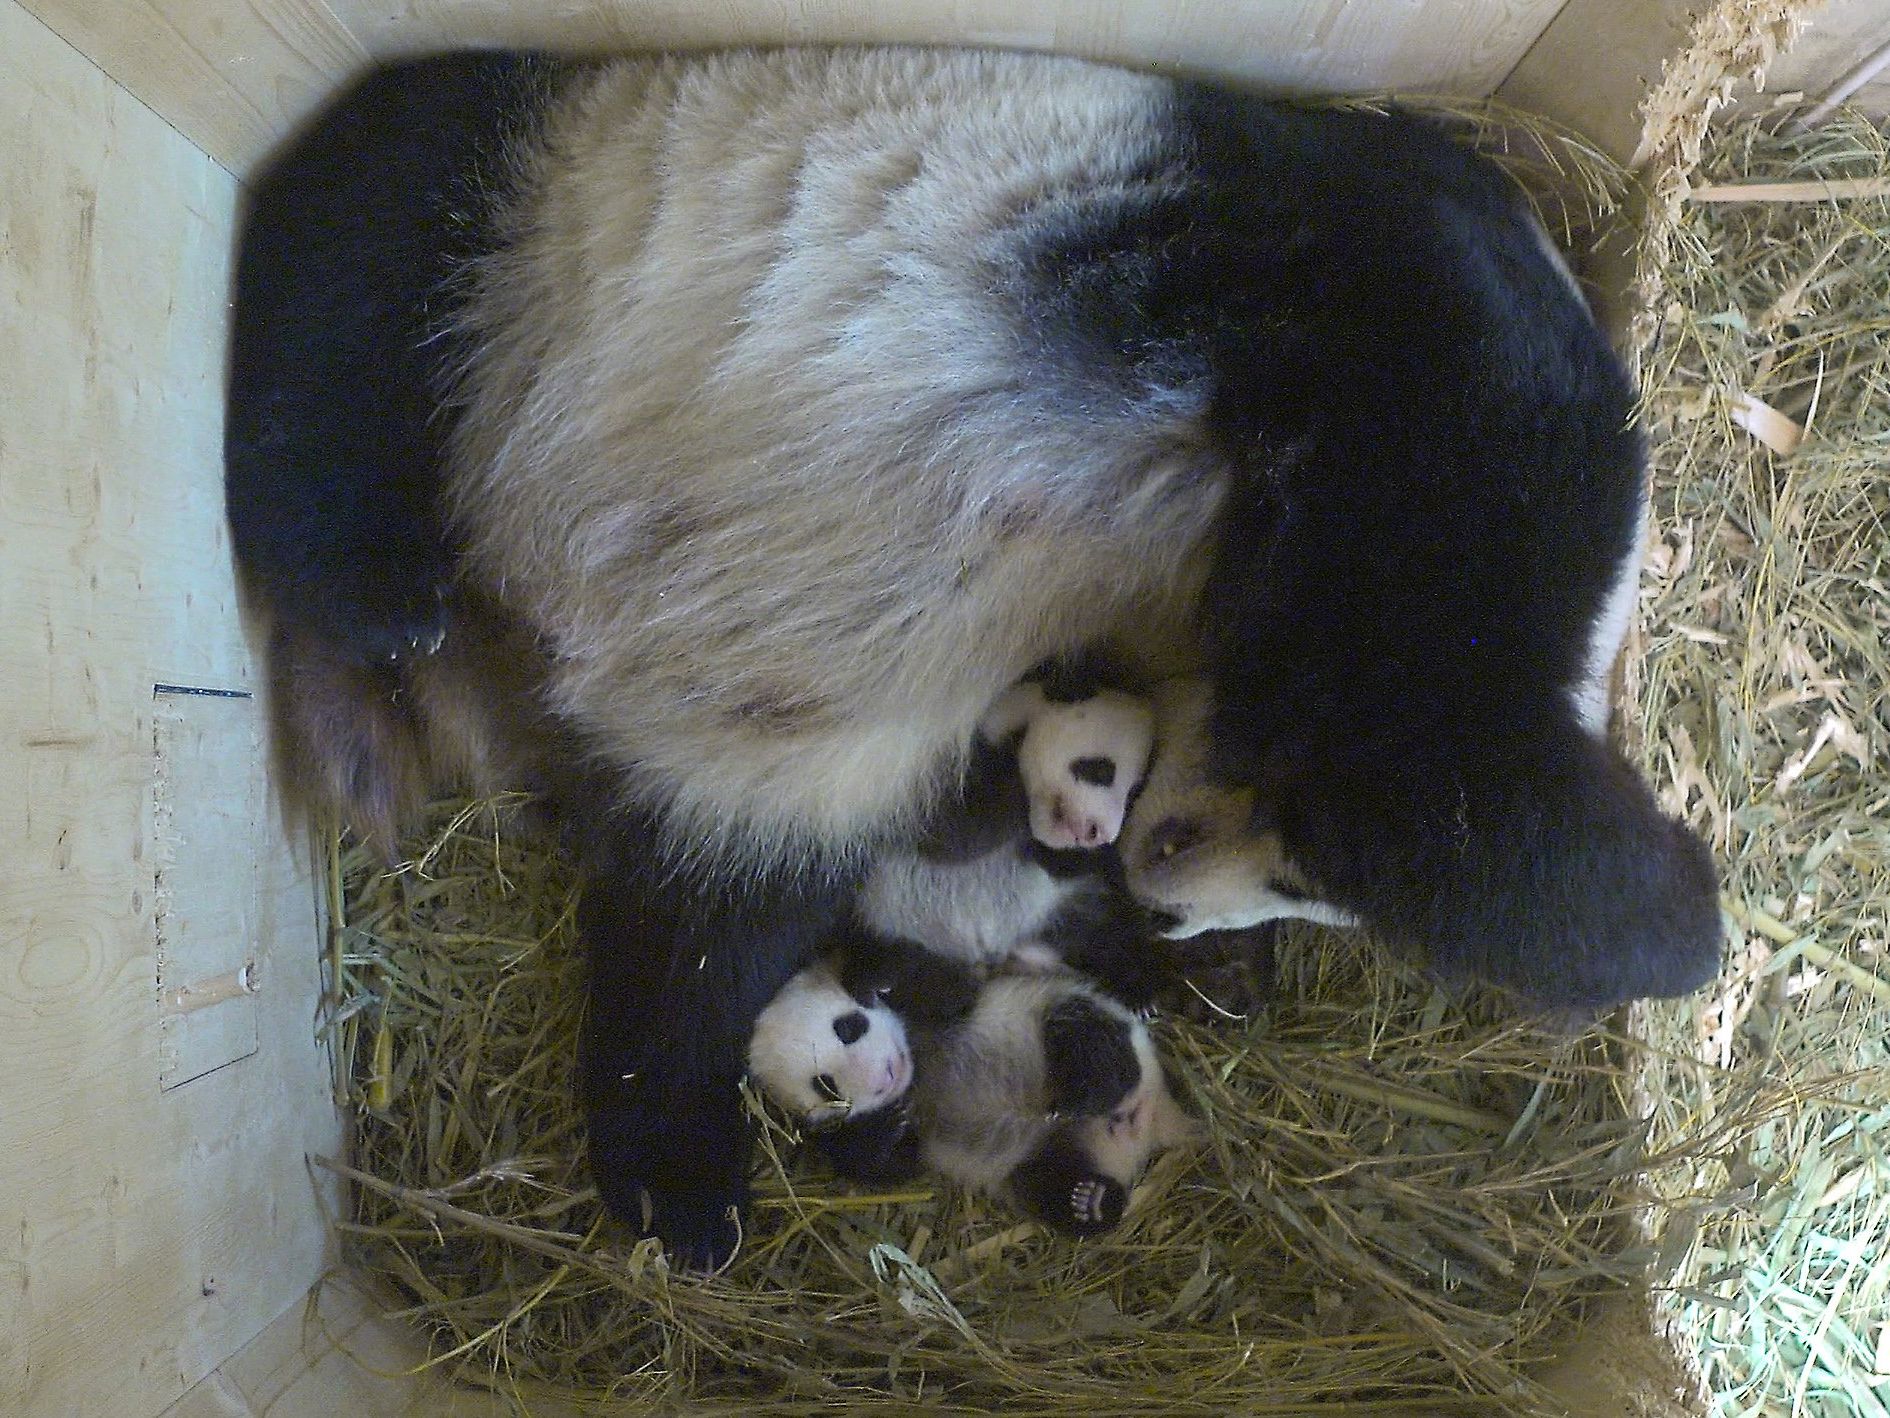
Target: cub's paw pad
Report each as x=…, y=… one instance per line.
x=1096, y=1204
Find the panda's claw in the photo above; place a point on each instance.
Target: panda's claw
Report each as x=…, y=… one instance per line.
x=1095, y=1203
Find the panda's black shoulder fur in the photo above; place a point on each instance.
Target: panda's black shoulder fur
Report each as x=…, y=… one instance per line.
x=1402, y=382
x=346, y=276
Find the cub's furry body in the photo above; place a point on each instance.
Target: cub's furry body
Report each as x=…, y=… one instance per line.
x=786, y=407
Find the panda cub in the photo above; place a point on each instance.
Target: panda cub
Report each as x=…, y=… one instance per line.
x=1034, y=1086
x=1021, y=861
x=1080, y=753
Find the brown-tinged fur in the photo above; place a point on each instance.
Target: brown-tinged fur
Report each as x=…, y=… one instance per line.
x=1195, y=846
x=372, y=740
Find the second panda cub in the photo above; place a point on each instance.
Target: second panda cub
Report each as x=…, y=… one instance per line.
x=1033, y=1086
x=1018, y=865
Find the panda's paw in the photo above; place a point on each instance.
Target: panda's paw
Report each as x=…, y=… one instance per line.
x=700, y=1230
x=382, y=614
x=1096, y=1204
x=411, y=630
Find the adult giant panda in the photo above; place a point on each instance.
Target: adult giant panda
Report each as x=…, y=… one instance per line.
x=735, y=427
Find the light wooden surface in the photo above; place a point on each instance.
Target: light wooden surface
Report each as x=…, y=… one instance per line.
x=335, y=1357
x=144, y=1234
x=1595, y=63
x=1837, y=35
x=233, y=75
x=207, y=810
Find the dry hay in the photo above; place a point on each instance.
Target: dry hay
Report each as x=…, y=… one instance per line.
x=1408, y=1198
x=1764, y=679
x=1408, y=1202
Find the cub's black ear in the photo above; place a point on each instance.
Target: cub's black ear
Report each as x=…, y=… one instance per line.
x=874, y=1149
x=1059, y=1186
x=1080, y=675
x=1545, y=866
x=1089, y=1058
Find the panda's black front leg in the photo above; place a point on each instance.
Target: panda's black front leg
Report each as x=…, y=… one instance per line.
x=880, y=1149
x=678, y=975
x=1090, y=1064
x=922, y=986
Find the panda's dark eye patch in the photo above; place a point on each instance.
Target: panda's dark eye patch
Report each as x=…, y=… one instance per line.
x=1097, y=771
x=1174, y=835
x=1289, y=893
x=827, y=1088
x=850, y=1026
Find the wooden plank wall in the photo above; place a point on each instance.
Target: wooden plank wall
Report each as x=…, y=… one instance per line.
x=145, y=1234
x=1838, y=36
x=233, y=75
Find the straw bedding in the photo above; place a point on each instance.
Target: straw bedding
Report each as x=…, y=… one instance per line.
x=1763, y=682
x=1410, y=1199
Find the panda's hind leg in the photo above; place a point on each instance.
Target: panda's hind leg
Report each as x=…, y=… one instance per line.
x=1090, y=1063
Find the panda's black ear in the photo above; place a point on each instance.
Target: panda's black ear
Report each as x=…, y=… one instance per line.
x=1541, y=863
x=1080, y=675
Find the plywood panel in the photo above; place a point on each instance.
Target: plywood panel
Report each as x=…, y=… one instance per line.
x=144, y=1235
x=338, y=1356
x=1594, y=65
x=233, y=74
x=1838, y=35
x=207, y=810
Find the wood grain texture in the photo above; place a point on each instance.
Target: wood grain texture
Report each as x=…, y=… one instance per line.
x=335, y=1357
x=207, y=786
x=233, y=75
x=144, y=1235
x=1595, y=63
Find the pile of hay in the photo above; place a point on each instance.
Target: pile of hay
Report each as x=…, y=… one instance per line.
x=1410, y=1200
x=1765, y=689
x=1407, y=1200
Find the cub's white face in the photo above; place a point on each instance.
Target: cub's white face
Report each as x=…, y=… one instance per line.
x=1079, y=760
x=823, y=1055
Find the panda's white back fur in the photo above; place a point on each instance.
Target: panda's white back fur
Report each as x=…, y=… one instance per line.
x=711, y=371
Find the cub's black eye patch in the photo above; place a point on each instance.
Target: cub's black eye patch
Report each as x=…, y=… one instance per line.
x=1098, y=771
x=1289, y=893
x=1174, y=835
x=849, y=1027
x=826, y=1087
